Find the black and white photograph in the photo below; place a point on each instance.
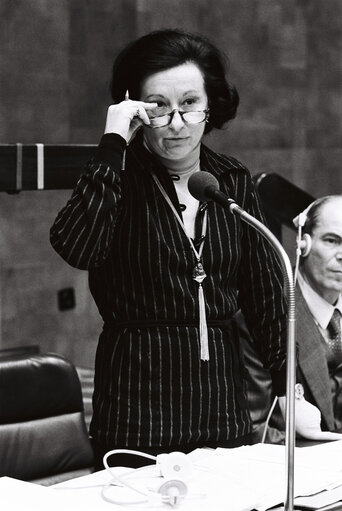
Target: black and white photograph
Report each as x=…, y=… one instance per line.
x=171, y=255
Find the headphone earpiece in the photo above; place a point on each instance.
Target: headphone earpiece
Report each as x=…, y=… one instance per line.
x=173, y=491
x=305, y=245
x=175, y=465
x=176, y=468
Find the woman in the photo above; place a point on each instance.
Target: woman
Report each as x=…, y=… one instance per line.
x=167, y=273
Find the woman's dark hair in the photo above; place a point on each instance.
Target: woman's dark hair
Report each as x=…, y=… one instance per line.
x=164, y=49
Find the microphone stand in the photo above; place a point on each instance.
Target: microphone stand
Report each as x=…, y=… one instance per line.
x=291, y=346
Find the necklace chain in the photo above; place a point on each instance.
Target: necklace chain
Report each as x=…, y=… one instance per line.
x=198, y=273
x=198, y=253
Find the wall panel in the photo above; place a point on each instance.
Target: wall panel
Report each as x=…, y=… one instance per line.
x=55, y=62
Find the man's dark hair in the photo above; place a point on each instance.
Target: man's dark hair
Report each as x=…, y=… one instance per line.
x=313, y=213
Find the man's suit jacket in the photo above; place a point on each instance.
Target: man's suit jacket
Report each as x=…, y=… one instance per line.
x=312, y=372
x=312, y=368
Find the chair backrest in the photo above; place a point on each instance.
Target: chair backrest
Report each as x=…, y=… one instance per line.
x=42, y=428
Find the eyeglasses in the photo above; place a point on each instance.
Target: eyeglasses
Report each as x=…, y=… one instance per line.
x=194, y=117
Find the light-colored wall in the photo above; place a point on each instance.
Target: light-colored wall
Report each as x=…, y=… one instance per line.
x=55, y=61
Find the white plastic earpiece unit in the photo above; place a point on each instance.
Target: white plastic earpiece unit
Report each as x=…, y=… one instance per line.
x=176, y=469
x=175, y=465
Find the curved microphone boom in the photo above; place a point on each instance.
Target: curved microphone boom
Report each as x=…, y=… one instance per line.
x=205, y=187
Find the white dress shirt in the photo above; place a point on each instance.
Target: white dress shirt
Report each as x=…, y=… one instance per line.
x=319, y=307
x=186, y=200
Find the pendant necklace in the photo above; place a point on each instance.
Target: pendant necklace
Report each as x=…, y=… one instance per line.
x=198, y=273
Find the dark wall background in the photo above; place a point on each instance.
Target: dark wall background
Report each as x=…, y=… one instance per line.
x=55, y=62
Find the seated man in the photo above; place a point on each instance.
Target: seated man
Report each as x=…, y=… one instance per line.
x=318, y=325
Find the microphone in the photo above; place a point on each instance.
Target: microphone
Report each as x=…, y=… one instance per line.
x=205, y=187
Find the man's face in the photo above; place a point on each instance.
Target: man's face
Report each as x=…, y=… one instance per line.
x=323, y=266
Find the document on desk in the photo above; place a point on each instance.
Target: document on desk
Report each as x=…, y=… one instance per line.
x=260, y=470
x=321, y=500
x=20, y=495
x=240, y=479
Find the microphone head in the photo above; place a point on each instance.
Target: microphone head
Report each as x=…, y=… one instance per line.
x=200, y=183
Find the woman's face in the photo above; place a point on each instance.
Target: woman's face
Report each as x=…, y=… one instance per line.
x=181, y=88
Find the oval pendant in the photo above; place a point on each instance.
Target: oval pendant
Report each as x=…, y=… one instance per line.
x=198, y=272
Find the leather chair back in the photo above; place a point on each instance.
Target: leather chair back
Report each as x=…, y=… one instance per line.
x=42, y=428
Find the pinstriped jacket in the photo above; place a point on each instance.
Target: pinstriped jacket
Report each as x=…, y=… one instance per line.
x=151, y=388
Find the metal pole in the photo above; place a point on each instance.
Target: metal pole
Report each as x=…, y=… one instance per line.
x=291, y=348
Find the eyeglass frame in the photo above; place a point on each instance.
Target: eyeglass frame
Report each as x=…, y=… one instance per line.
x=181, y=113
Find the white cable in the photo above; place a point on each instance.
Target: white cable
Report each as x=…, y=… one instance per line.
x=121, y=503
x=119, y=479
x=171, y=492
x=170, y=495
x=298, y=254
x=125, y=451
x=268, y=419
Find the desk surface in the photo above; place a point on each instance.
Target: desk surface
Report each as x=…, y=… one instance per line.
x=236, y=479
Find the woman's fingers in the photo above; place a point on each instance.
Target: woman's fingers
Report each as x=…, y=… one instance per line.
x=139, y=110
x=147, y=106
x=124, y=118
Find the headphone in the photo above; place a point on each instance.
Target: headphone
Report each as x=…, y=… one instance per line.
x=304, y=243
x=175, y=468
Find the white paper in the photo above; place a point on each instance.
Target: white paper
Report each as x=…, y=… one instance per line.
x=241, y=479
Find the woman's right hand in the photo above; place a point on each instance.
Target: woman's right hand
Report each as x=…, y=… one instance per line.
x=127, y=117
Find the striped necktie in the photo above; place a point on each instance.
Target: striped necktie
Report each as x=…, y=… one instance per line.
x=334, y=329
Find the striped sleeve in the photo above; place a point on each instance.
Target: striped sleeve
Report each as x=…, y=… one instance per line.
x=83, y=230
x=262, y=299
